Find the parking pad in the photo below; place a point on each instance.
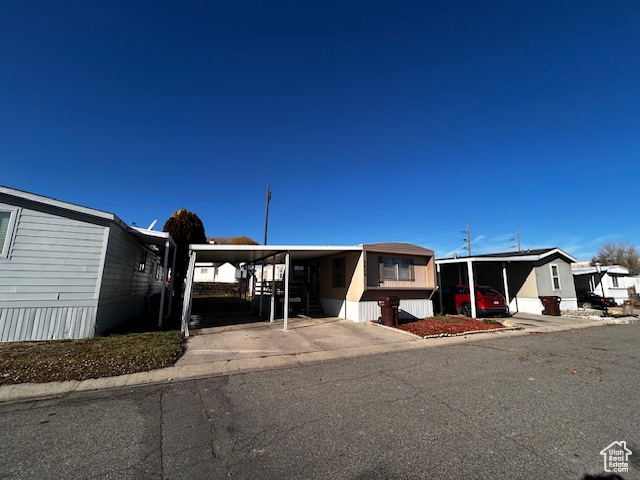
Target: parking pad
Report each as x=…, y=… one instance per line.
x=264, y=339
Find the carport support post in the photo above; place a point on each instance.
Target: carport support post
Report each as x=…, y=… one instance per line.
x=165, y=266
x=439, y=276
x=272, y=313
x=506, y=283
x=287, y=261
x=472, y=289
x=173, y=274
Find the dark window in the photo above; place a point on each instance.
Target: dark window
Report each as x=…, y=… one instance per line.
x=393, y=268
x=338, y=272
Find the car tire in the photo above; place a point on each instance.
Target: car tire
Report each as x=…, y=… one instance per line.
x=587, y=305
x=466, y=310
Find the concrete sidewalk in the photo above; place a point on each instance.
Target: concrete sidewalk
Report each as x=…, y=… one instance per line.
x=265, y=346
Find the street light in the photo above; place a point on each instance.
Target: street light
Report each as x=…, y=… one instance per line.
x=604, y=299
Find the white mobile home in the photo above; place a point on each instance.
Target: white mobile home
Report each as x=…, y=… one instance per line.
x=68, y=271
x=210, y=272
x=613, y=280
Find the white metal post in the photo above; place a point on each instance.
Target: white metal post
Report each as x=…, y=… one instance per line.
x=506, y=283
x=286, y=289
x=173, y=274
x=165, y=268
x=439, y=274
x=472, y=289
x=186, y=301
x=261, y=290
x=272, y=313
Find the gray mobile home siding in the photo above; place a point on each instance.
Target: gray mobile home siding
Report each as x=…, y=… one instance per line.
x=125, y=289
x=544, y=282
x=48, y=285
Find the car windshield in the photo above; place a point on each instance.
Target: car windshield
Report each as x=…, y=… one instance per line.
x=487, y=291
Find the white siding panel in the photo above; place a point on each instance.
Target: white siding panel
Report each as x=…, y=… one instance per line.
x=48, y=285
x=46, y=323
x=54, y=258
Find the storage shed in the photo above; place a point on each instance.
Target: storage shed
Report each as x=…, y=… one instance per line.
x=68, y=271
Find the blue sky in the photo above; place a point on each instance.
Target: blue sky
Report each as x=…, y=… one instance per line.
x=371, y=121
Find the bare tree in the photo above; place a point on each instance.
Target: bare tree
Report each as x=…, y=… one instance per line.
x=622, y=253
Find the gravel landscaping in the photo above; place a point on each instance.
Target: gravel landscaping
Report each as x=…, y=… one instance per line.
x=449, y=325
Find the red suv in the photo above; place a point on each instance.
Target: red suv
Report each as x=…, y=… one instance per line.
x=488, y=301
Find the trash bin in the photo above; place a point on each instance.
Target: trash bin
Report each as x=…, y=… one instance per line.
x=551, y=305
x=389, y=309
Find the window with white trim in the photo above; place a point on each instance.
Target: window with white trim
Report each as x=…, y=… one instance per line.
x=7, y=221
x=614, y=281
x=397, y=269
x=555, y=277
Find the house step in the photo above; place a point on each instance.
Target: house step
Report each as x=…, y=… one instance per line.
x=315, y=307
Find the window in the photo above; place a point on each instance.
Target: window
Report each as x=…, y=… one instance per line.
x=7, y=221
x=398, y=269
x=204, y=270
x=338, y=273
x=555, y=277
x=614, y=281
x=143, y=261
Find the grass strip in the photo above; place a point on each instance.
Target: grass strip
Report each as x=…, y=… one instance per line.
x=59, y=360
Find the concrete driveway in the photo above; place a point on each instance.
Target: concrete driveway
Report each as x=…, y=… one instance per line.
x=304, y=335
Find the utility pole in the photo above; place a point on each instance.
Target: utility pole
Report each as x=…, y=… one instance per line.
x=518, y=235
x=266, y=220
x=468, y=239
x=266, y=228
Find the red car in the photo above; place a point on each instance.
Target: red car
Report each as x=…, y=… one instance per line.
x=488, y=301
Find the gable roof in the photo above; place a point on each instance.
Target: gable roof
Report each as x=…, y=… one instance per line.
x=610, y=269
x=398, y=249
x=521, y=256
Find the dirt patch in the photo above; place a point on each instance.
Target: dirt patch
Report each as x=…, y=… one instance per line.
x=448, y=325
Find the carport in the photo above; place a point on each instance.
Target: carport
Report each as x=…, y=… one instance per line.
x=511, y=272
x=254, y=255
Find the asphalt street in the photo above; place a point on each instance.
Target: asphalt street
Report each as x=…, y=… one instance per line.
x=534, y=406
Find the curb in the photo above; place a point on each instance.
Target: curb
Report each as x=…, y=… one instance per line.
x=41, y=391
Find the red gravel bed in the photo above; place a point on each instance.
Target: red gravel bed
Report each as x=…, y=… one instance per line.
x=452, y=325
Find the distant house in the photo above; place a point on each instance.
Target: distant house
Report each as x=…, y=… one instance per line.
x=521, y=277
x=210, y=272
x=614, y=279
x=68, y=271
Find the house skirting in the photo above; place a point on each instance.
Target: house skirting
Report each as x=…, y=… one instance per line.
x=46, y=323
x=367, y=311
x=534, y=305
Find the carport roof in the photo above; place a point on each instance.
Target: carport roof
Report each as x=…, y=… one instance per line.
x=257, y=253
x=523, y=256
